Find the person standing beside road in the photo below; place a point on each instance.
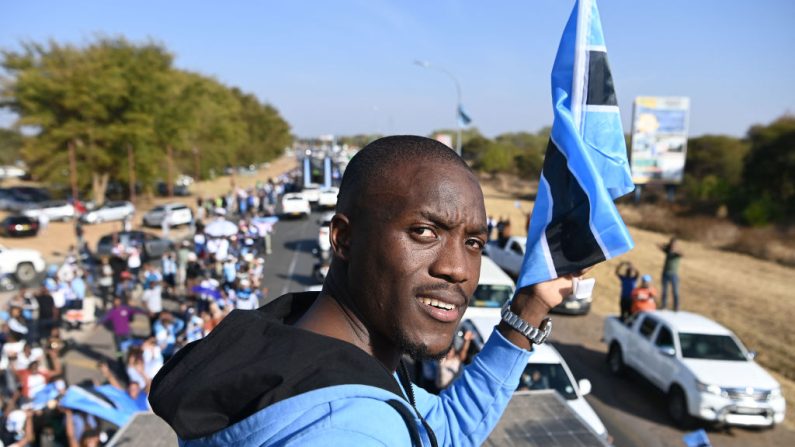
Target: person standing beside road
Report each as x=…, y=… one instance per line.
x=670, y=274
x=407, y=242
x=628, y=279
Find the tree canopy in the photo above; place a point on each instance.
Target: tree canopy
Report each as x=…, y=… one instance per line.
x=112, y=96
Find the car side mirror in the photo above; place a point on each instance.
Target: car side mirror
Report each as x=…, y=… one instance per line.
x=667, y=351
x=585, y=386
x=751, y=355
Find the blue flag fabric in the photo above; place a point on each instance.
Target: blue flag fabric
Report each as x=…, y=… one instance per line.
x=463, y=118
x=77, y=398
x=575, y=223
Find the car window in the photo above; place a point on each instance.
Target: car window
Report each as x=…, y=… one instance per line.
x=491, y=295
x=665, y=338
x=547, y=376
x=180, y=208
x=516, y=248
x=158, y=209
x=710, y=347
x=647, y=326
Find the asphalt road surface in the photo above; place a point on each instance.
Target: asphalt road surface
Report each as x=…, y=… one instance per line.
x=633, y=412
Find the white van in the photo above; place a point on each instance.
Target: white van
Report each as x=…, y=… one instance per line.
x=494, y=289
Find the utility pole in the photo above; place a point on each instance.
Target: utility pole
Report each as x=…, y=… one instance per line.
x=72, y=168
x=170, y=184
x=131, y=167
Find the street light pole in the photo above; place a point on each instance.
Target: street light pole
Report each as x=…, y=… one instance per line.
x=426, y=64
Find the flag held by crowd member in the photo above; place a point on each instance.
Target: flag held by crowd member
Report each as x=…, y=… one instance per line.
x=575, y=223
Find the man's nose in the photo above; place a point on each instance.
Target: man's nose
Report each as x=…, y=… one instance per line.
x=451, y=262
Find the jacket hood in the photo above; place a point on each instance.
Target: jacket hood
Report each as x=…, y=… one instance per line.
x=252, y=360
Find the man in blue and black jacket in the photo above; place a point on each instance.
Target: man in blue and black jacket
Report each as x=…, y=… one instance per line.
x=325, y=368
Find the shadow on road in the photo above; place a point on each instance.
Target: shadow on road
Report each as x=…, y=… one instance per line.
x=629, y=394
x=303, y=245
x=304, y=280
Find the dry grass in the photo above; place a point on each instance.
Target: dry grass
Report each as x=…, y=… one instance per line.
x=752, y=297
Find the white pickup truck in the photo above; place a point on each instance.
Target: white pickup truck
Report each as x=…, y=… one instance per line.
x=508, y=255
x=703, y=367
x=23, y=263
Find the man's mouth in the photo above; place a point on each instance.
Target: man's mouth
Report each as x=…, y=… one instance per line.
x=437, y=303
x=439, y=310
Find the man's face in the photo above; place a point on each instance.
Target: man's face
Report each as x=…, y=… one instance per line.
x=415, y=251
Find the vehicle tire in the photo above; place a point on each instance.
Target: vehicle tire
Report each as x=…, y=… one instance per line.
x=677, y=407
x=25, y=273
x=615, y=360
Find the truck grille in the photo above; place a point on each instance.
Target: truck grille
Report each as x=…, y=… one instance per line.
x=747, y=394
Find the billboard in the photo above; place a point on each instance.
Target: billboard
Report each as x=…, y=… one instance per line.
x=659, y=139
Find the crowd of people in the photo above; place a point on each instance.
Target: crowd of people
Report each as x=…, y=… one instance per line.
x=152, y=305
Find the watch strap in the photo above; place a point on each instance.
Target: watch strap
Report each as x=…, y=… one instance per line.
x=536, y=335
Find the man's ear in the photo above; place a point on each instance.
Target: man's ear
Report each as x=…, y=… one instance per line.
x=340, y=236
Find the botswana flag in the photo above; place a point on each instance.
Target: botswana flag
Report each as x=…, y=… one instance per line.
x=575, y=223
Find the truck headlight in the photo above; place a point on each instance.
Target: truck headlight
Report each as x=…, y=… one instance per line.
x=711, y=389
x=774, y=393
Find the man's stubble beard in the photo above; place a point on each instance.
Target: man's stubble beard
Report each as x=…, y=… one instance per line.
x=418, y=351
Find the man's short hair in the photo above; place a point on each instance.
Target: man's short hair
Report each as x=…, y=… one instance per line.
x=374, y=163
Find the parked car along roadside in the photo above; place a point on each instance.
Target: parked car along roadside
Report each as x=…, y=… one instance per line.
x=178, y=213
x=152, y=246
x=110, y=211
x=19, y=226
x=54, y=210
x=23, y=263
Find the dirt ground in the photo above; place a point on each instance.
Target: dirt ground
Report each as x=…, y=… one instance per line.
x=753, y=298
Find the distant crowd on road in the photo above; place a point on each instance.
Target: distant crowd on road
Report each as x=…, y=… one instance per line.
x=152, y=303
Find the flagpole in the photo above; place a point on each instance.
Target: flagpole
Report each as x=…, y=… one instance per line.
x=426, y=64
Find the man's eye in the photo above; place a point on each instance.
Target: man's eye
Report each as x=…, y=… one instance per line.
x=423, y=232
x=475, y=243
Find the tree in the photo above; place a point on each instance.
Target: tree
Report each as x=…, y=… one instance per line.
x=714, y=167
x=113, y=96
x=99, y=98
x=767, y=173
x=10, y=145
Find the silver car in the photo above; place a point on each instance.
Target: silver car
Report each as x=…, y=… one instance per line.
x=108, y=212
x=53, y=209
x=178, y=214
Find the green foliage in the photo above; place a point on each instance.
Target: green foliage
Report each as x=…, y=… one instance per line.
x=10, y=145
x=498, y=157
x=769, y=166
x=713, y=170
x=113, y=95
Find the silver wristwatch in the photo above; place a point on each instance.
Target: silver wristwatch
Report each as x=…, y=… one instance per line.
x=535, y=335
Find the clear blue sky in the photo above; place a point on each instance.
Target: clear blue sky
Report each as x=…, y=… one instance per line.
x=345, y=66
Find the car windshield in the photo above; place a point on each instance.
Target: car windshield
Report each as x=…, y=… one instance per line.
x=157, y=209
x=710, y=347
x=547, y=376
x=491, y=295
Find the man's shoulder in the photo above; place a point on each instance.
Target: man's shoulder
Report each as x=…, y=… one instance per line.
x=342, y=415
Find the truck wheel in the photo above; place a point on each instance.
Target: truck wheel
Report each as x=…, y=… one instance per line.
x=615, y=360
x=677, y=407
x=25, y=273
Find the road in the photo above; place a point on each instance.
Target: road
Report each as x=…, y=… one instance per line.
x=632, y=411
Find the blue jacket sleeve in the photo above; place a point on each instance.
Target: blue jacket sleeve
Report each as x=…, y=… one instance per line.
x=466, y=412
